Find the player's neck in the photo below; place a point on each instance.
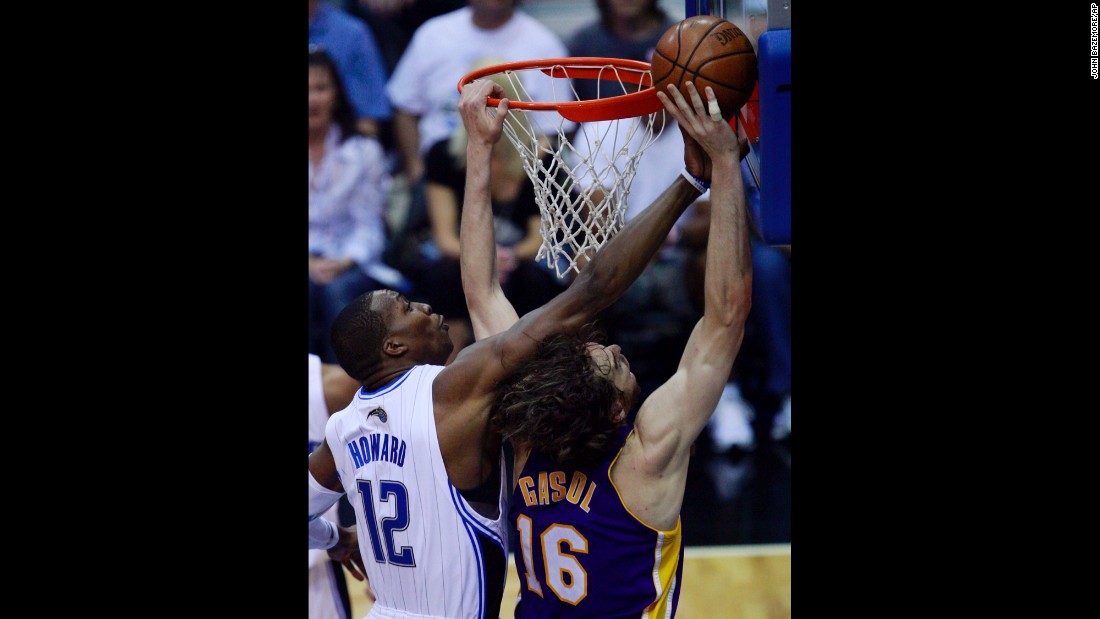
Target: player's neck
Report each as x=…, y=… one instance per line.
x=384, y=376
x=522, y=451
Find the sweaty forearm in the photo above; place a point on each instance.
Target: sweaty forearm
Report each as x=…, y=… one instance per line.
x=476, y=233
x=727, y=288
x=490, y=311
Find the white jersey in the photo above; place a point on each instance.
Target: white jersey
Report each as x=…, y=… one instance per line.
x=318, y=417
x=326, y=586
x=427, y=552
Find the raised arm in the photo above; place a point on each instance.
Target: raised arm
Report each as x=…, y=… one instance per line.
x=607, y=275
x=671, y=418
x=490, y=310
x=602, y=280
x=463, y=392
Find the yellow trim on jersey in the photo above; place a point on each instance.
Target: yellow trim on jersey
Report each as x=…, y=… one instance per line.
x=666, y=558
x=666, y=552
x=674, y=532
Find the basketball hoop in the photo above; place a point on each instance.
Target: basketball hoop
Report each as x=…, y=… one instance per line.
x=581, y=192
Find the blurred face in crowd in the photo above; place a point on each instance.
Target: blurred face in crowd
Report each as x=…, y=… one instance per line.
x=493, y=4
x=322, y=97
x=492, y=13
x=630, y=9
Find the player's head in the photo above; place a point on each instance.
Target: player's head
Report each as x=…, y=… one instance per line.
x=569, y=400
x=383, y=326
x=328, y=101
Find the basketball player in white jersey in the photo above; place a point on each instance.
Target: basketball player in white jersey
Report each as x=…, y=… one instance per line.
x=330, y=389
x=429, y=482
x=565, y=410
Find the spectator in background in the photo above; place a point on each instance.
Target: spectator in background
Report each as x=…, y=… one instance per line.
x=347, y=191
x=394, y=21
x=424, y=87
x=516, y=220
x=352, y=48
x=627, y=29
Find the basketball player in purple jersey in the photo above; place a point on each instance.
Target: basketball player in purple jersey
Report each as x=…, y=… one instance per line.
x=428, y=480
x=596, y=502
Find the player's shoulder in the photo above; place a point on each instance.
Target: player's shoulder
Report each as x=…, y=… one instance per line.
x=340, y=415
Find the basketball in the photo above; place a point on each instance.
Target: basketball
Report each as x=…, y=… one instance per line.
x=708, y=51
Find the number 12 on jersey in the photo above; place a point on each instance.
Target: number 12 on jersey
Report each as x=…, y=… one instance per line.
x=398, y=522
x=558, y=563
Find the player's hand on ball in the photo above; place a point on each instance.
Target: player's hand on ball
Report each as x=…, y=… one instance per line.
x=703, y=123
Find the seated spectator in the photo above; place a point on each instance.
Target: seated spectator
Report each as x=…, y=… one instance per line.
x=348, y=184
x=354, y=51
x=393, y=22
x=423, y=90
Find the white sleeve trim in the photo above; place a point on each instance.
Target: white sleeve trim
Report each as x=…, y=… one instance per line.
x=320, y=498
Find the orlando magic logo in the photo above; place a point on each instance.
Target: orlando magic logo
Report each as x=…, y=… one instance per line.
x=381, y=412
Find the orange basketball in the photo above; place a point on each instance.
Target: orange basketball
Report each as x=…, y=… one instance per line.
x=708, y=51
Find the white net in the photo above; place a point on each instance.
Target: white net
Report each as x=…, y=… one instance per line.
x=582, y=175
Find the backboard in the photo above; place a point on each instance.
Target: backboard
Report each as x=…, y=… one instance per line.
x=766, y=118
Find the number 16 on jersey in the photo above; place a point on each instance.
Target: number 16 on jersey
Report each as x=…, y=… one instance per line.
x=564, y=573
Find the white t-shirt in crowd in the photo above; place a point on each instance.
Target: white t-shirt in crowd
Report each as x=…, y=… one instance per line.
x=444, y=48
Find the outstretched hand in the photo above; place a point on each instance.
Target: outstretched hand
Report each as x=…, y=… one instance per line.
x=346, y=551
x=704, y=126
x=482, y=127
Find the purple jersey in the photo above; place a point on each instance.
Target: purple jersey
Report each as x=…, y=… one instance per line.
x=581, y=552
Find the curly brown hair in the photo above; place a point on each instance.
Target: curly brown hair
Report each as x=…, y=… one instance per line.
x=558, y=404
